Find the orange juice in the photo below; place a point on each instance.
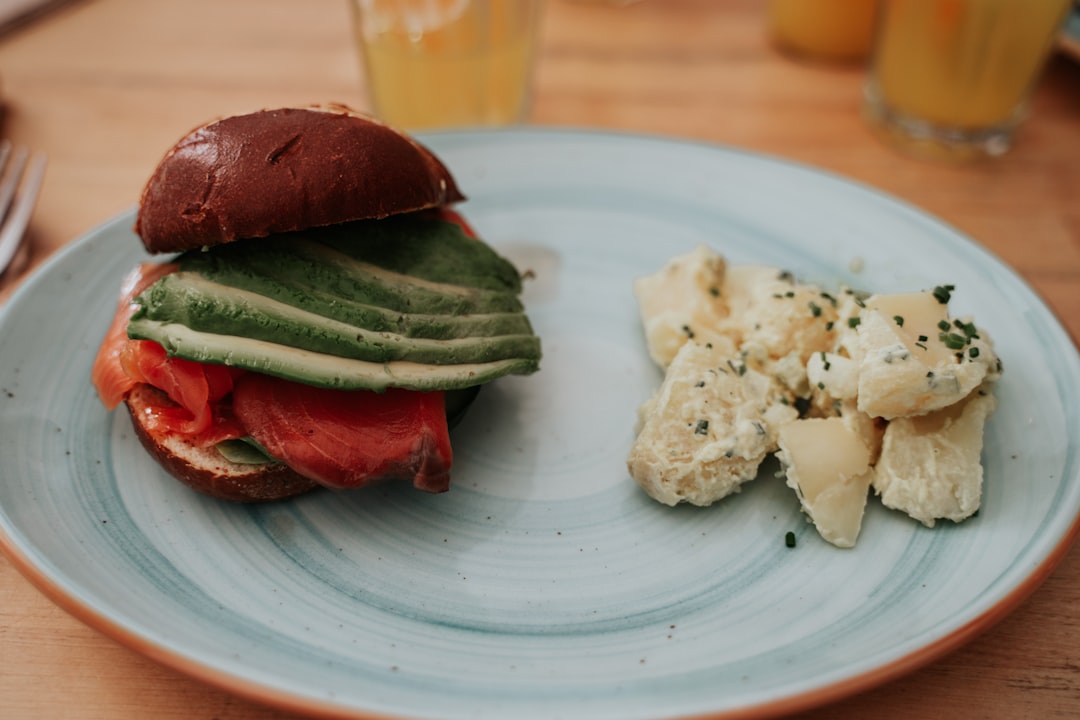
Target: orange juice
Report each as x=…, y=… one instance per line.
x=439, y=63
x=962, y=64
x=823, y=29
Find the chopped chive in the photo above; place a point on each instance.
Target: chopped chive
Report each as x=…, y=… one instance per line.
x=973, y=352
x=853, y=322
x=789, y=539
x=815, y=310
x=923, y=338
x=899, y=319
x=829, y=326
x=702, y=427
x=969, y=329
x=944, y=325
x=943, y=293
x=953, y=341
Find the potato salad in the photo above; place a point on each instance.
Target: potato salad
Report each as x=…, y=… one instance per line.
x=855, y=393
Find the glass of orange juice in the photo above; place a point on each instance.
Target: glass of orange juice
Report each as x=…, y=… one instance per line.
x=951, y=78
x=447, y=63
x=829, y=30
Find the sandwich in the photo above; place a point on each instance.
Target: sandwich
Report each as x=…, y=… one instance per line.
x=321, y=317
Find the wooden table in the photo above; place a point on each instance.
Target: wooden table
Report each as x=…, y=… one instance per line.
x=105, y=86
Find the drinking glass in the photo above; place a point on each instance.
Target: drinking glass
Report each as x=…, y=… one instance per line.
x=443, y=63
x=951, y=78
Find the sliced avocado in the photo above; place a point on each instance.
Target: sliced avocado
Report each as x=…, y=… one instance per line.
x=425, y=247
x=306, y=264
x=200, y=303
x=410, y=302
x=320, y=301
x=320, y=369
x=244, y=451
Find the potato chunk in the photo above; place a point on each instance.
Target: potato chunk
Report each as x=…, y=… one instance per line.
x=899, y=377
x=680, y=302
x=930, y=466
x=769, y=311
x=917, y=319
x=828, y=466
x=707, y=430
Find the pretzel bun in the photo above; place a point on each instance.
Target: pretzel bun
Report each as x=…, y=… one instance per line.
x=205, y=469
x=274, y=171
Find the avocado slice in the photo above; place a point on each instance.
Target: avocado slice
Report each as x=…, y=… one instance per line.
x=404, y=302
x=194, y=300
x=321, y=369
x=424, y=247
x=305, y=264
x=246, y=316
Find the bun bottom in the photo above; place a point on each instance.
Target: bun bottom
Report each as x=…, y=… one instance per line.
x=205, y=469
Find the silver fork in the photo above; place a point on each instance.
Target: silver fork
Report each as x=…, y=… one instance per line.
x=19, y=189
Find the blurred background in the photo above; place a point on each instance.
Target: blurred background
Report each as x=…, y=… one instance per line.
x=73, y=78
x=105, y=85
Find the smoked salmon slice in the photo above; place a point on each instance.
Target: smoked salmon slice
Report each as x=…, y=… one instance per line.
x=107, y=374
x=348, y=438
x=195, y=387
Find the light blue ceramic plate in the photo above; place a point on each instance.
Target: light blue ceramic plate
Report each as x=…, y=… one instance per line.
x=545, y=584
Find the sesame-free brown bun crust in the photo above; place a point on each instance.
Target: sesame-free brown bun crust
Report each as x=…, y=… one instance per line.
x=205, y=469
x=283, y=170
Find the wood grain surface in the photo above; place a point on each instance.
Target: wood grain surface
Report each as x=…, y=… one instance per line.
x=105, y=86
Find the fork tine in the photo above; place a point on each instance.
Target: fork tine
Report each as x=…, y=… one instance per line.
x=12, y=174
x=5, y=150
x=14, y=227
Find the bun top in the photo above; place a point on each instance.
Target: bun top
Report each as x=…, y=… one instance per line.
x=276, y=171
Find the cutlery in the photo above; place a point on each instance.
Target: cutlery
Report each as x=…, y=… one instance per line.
x=19, y=189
